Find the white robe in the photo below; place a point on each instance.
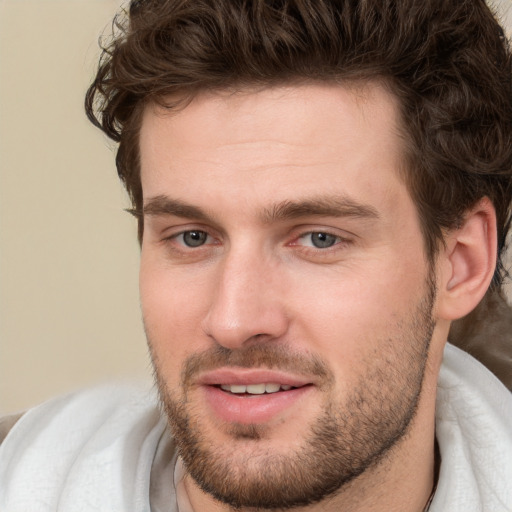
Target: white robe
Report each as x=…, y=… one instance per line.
x=108, y=450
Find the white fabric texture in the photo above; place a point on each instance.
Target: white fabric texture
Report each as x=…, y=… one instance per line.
x=92, y=451
x=474, y=432
x=108, y=450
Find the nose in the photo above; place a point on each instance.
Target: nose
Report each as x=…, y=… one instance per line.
x=246, y=303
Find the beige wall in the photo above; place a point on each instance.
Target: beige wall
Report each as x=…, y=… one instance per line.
x=69, y=312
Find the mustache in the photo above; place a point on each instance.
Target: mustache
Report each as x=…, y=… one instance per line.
x=269, y=356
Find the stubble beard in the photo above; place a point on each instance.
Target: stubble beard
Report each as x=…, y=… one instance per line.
x=351, y=435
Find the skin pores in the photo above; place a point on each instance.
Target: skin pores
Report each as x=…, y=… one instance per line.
x=281, y=248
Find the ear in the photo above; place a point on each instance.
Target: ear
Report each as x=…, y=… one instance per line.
x=466, y=265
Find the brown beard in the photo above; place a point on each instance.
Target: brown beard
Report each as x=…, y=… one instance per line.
x=350, y=436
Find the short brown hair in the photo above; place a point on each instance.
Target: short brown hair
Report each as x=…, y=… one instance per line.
x=447, y=61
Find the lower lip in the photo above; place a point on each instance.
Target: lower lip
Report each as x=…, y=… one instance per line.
x=251, y=409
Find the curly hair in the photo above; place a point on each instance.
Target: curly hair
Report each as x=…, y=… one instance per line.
x=447, y=61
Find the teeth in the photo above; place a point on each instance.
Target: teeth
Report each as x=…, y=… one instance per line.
x=255, y=389
x=272, y=388
x=235, y=388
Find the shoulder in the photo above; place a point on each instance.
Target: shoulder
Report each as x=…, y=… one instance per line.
x=465, y=384
x=91, y=447
x=474, y=432
x=79, y=413
x=6, y=424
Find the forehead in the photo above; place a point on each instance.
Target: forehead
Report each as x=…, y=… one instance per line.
x=294, y=111
x=273, y=143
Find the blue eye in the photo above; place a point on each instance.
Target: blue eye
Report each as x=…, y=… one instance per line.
x=319, y=240
x=322, y=240
x=194, y=238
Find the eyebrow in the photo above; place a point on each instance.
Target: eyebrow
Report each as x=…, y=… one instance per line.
x=330, y=206
x=164, y=205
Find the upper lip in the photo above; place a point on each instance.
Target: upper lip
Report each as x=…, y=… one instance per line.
x=248, y=376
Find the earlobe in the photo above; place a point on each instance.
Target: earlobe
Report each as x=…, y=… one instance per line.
x=468, y=262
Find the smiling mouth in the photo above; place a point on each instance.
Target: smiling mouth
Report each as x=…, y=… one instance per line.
x=249, y=400
x=255, y=389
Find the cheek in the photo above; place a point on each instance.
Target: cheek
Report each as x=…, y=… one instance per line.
x=345, y=319
x=172, y=311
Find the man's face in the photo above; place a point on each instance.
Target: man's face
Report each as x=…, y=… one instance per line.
x=285, y=292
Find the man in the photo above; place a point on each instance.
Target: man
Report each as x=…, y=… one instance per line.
x=322, y=187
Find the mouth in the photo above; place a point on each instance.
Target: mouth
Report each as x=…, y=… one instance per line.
x=248, y=396
x=255, y=389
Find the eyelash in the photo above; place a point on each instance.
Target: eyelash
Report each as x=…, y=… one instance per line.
x=340, y=242
x=337, y=240
x=177, y=243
